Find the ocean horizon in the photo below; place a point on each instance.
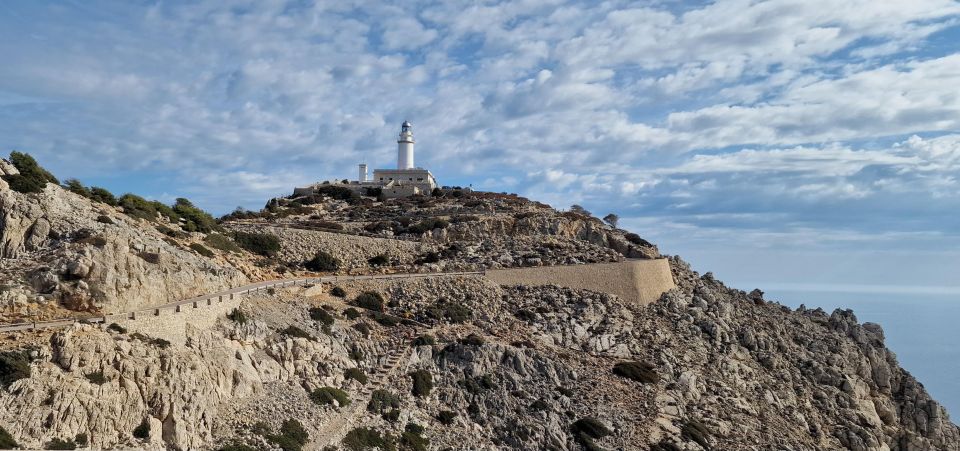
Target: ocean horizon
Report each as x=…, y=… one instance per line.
x=919, y=325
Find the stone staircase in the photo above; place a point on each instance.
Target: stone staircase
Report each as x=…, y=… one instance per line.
x=336, y=428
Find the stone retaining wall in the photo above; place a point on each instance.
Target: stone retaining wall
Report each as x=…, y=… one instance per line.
x=641, y=281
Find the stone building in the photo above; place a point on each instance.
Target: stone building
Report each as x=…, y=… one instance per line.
x=404, y=181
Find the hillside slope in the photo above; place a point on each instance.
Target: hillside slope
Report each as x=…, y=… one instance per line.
x=433, y=363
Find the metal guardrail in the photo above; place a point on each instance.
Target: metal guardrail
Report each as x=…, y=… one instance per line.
x=216, y=298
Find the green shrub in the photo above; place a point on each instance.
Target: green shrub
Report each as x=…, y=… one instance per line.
x=322, y=261
x=165, y=210
x=413, y=441
x=540, y=404
x=446, y=417
x=196, y=219
x=321, y=315
x=259, y=243
x=414, y=428
x=351, y=313
x=137, y=207
x=81, y=439
x=6, y=440
x=422, y=383
x=370, y=300
x=590, y=427
x=363, y=439
x=473, y=340
x=296, y=332
x=338, y=292
x=142, y=431
x=104, y=219
x=378, y=260
x=336, y=192
x=96, y=377
x=695, y=431
x=22, y=184
x=565, y=391
x=478, y=384
x=427, y=225
x=102, y=195
x=385, y=319
x=356, y=374
x=158, y=342
x=238, y=316
x=202, y=250
x=74, y=186
x=14, y=365
x=32, y=177
x=327, y=396
x=292, y=435
x=381, y=401
x=424, y=340
x=642, y=372
x=60, y=444
x=221, y=242
x=450, y=311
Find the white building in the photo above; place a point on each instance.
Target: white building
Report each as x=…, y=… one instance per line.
x=404, y=181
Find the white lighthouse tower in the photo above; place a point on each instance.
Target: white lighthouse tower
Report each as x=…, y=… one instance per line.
x=405, y=146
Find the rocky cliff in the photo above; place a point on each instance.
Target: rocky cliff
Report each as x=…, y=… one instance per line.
x=71, y=252
x=434, y=363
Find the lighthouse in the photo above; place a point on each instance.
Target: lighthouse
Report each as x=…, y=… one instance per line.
x=405, y=146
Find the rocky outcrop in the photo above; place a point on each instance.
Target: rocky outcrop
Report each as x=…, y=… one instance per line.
x=90, y=257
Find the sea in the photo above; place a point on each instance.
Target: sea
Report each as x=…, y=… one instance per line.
x=922, y=329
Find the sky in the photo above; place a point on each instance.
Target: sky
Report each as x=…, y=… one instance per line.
x=795, y=144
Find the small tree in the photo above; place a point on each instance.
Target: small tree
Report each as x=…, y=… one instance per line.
x=74, y=186
x=611, y=219
x=322, y=261
x=102, y=195
x=579, y=210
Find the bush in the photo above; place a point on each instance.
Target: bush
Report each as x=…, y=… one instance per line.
x=422, y=383
x=429, y=257
x=323, y=261
x=202, y=250
x=362, y=439
x=259, y=243
x=413, y=441
x=74, y=186
x=103, y=196
x=424, y=340
x=14, y=365
x=451, y=311
x=137, y=207
x=635, y=239
x=96, y=377
x=165, y=211
x=142, y=431
x=117, y=328
x=158, y=342
x=197, y=220
x=238, y=316
x=356, y=374
x=60, y=444
x=104, y=219
x=327, y=396
x=81, y=439
x=355, y=352
x=338, y=292
x=292, y=436
x=427, y=225
x=6, y=440
x=32, y=177
x=378, y=260
x=370, y=300
x=321, y=315
x=642, y=372
x=381, y=401
x=336, y=192
x=473, y=340
x=221, y=242
x=695, y=431
x=351, y=313
x=296, y=332
x=590, y=427
x=385, y=319
x=446, y=417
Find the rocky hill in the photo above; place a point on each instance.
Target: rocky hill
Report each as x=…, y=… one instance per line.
x=414, y=364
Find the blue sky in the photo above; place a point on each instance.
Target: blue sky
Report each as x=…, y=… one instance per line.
x=776, y=142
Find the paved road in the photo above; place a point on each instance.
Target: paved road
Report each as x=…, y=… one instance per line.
x=215, y=297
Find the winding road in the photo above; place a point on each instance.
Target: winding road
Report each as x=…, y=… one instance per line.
x=209, y=299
